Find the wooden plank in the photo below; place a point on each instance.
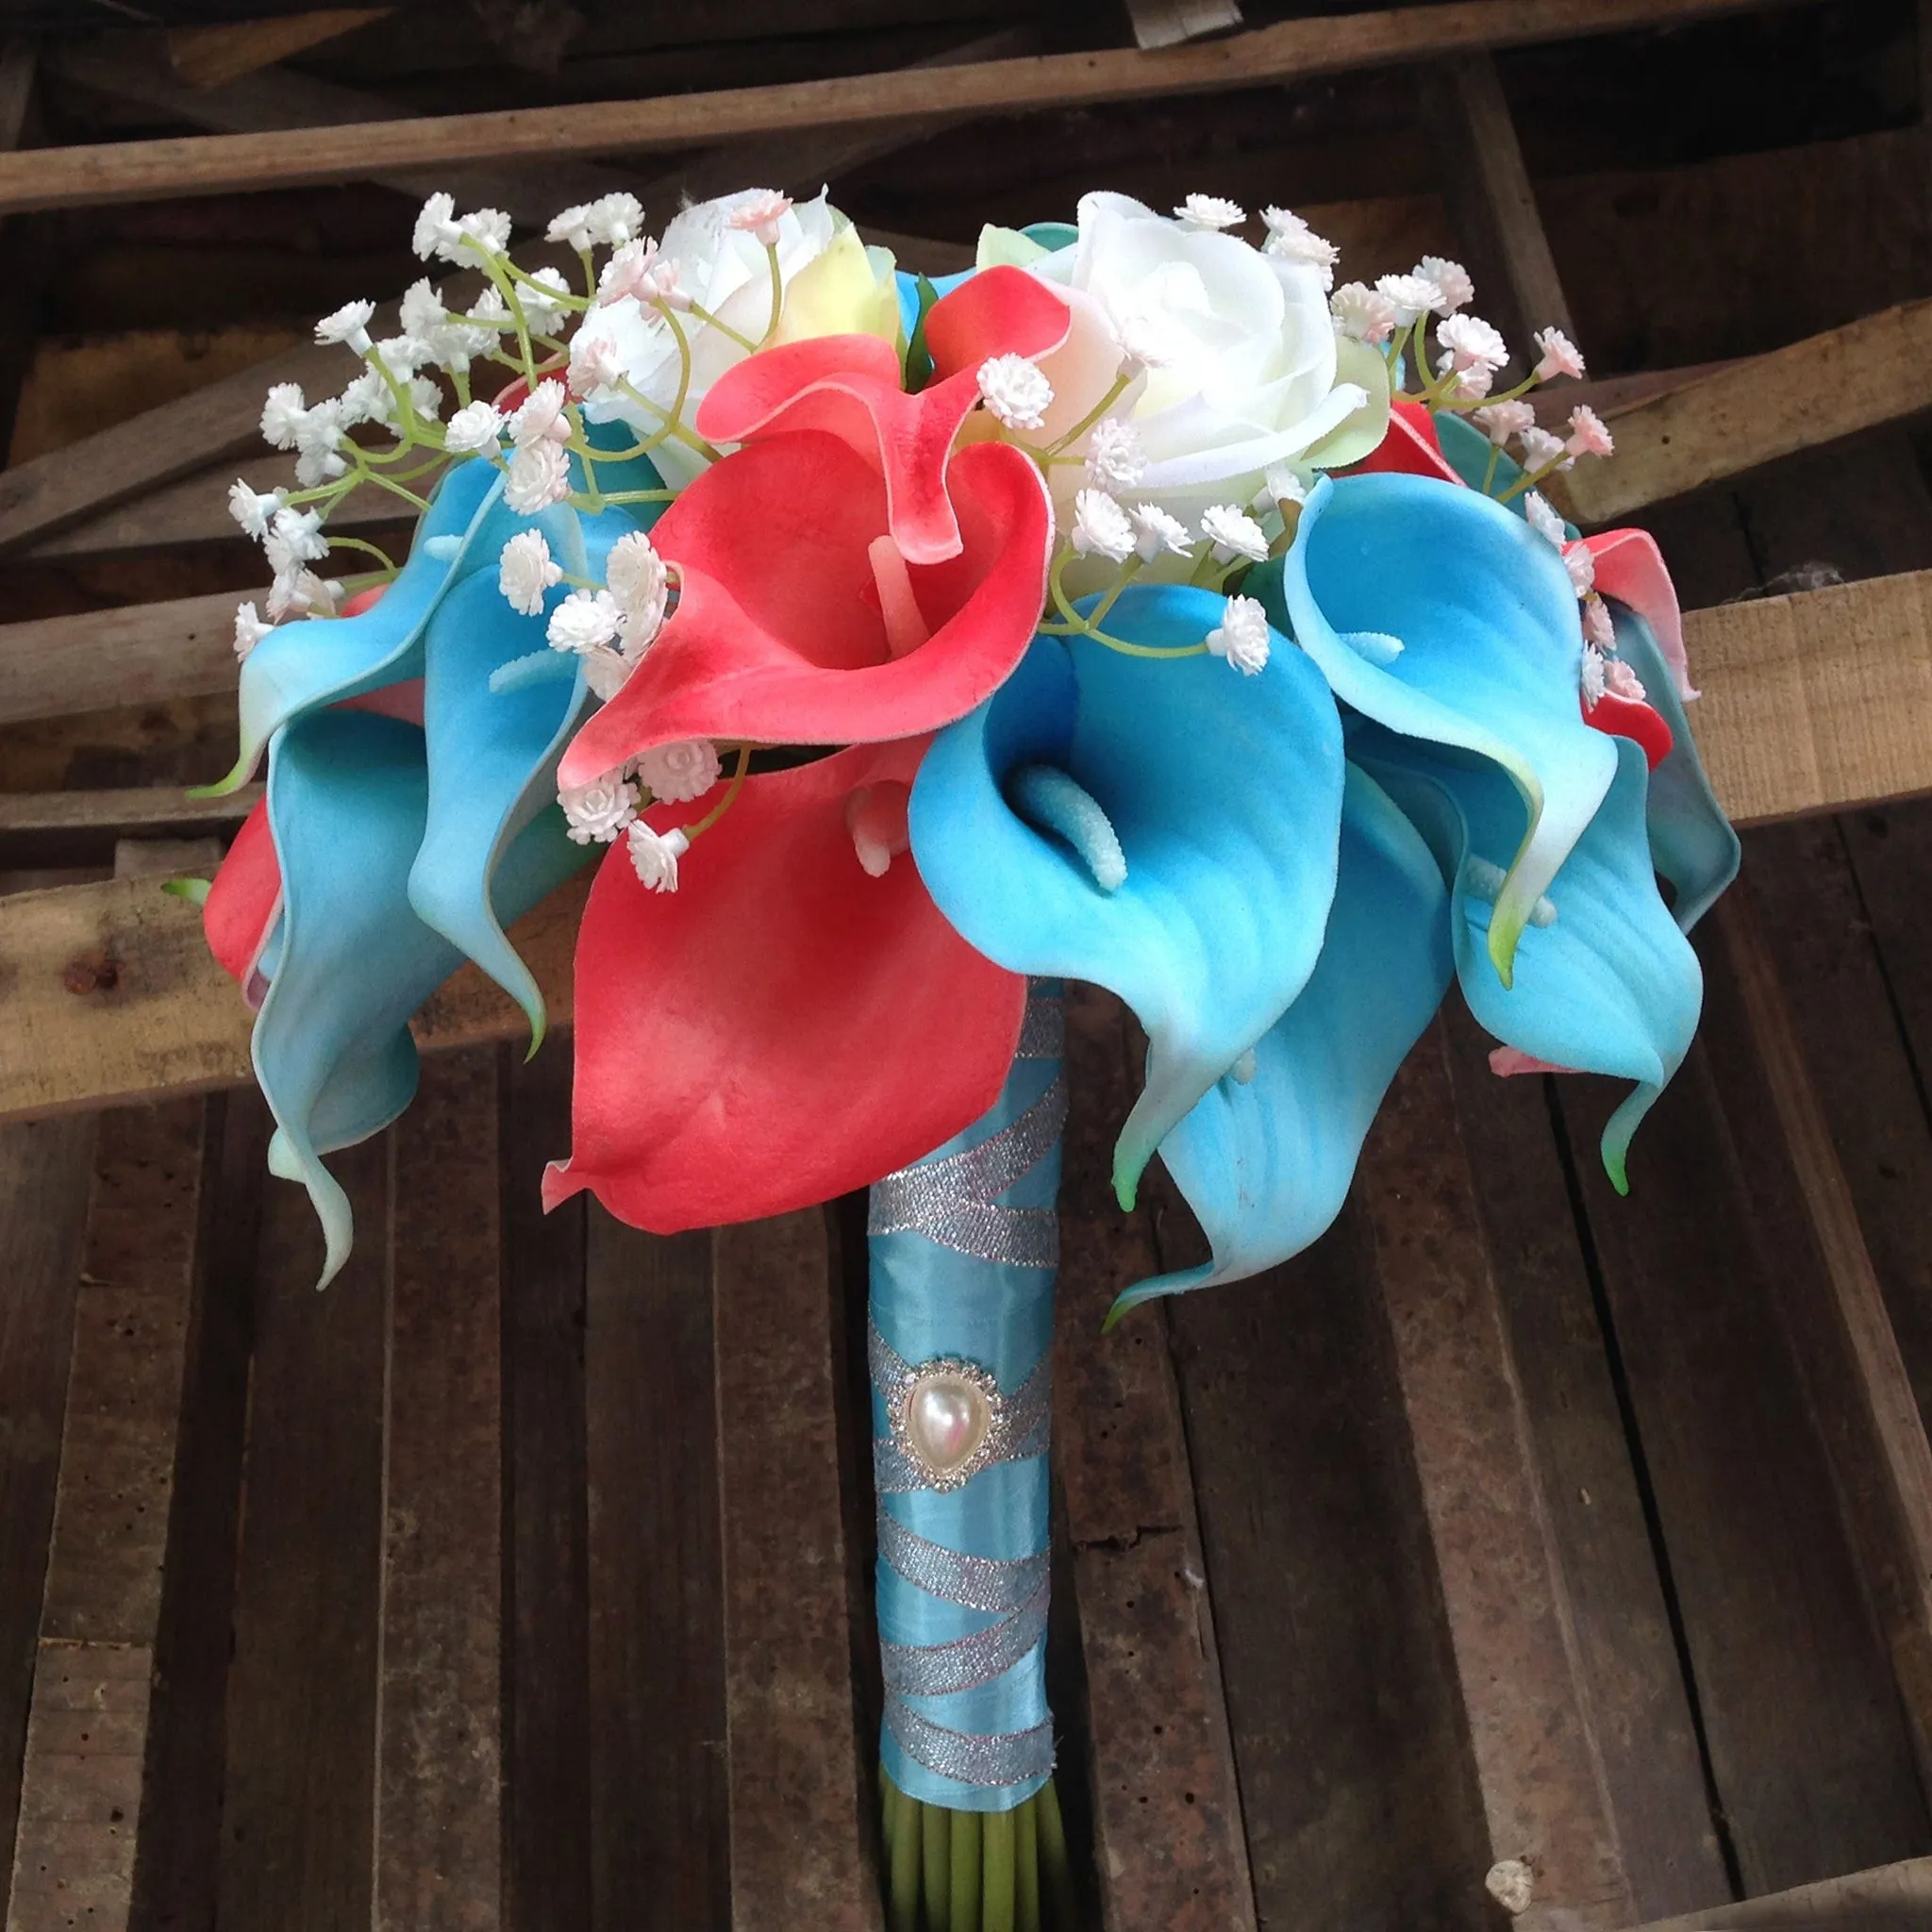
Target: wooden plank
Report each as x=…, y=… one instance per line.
x=1492, y=202
x=178, y=1856
x=46, y=1169
x=439, y=1722
x=548, y=1692
x=1892, y=1898
x=297, y=1841
x=273, y=98
x=218, y=422
x=53, y=828
x=81, y=1781
x=801, y=1796
x=135, y=171
x=1872, y=370
x=1817, y=701
x=208, y=56
x=1166, y=1809
x=658, y=1806
x=1860, y=1390
x=1515, y=1658
x=1341, y=1696
x=1626, y=1672
x=133, y=960
x=1819, y=1779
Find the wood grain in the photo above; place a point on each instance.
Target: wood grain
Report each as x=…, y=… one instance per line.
x=206, y=57
x=1890, y=1898
x=135, y=170
x=1872, y=370
x=298, y=1815
x=183, y=648
x=547, y=1688
x=87, y=1740
x=46, y=1168
x=438, y=1829
x=799, y=1790
x=1165, y=1806
x=659, y=1625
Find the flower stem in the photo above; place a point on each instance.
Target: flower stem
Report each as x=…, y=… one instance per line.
x=778, y=293
x=1026, y=1860
x=1089, y=419
x=903, y=1854
x=938, y=1835
x=997, y=1836
x=1053, y=1858
x=966, y=1871
x=730, y=798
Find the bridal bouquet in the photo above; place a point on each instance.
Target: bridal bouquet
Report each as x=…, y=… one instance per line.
x=1135, y=608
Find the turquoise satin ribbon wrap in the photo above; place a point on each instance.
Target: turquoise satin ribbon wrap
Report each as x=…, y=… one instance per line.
x=937, y=1295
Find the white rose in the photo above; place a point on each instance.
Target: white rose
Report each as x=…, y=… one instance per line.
x=1246, y=374
x=726, y=272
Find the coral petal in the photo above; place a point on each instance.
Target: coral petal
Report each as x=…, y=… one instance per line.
x=241, y=903
x=1410, y=448
x=1632, y=718
x=777, y=637
x=783, y=1027
x=1630, y=568
x=1001, y=312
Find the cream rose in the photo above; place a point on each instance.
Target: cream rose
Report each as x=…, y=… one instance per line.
x=832, y=283
x=1240, y=368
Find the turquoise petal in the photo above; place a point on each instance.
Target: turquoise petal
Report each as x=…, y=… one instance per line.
x=1491, y=658
x=348, y=793
x=492, y=767
x=1266, y=1165
x=1226, y=794
x=318, y=662
x=1609, y=984
x=1692, y=841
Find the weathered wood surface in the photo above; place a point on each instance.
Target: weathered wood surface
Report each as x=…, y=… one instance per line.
x=802, y=1796
x=1166, y=1808
x=206, y=57
x=52, y=828
x=659, y=1815
x=135, y=171
x=1733, y=420
x=439, y=1800
x=1892, y=1898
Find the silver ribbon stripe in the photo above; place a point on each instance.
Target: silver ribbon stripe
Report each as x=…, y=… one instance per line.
x=1004, y=1758
x=954, y=1202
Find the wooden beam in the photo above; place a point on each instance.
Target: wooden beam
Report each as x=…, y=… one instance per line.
x=1811, y=703
x=1872, y=370
x=46, y=828
x=1491, y=201
x=208, y=56
x=1298, y=49
x=1817, y=701
x=1894, y=1898
x=276, y=100
x=184, y=648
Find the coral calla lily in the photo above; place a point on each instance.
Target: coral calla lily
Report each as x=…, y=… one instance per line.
x=793, y=1022
x=799, y=621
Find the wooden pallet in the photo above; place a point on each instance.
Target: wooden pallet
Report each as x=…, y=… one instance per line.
x=521, y=1581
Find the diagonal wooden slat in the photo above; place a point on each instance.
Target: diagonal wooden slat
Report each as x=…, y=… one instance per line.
x=137, y=170
x=1876, y=370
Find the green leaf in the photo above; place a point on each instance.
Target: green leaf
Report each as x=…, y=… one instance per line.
x=918, y=357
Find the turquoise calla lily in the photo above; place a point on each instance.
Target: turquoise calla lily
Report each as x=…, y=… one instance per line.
x=1490, y=653
x=1224, y=795
x=492, y=758
x=1606, y=981
x=1266, y=1163
x=331, y=1045
x=1692, y=841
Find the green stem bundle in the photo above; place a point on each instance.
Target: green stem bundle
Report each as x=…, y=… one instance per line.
x=974, y=1872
